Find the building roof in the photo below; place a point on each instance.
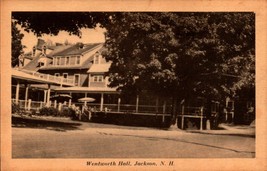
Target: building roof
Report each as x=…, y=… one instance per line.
x=33, y=65
x=84, y=65
x=77, y=50
x=99, y=68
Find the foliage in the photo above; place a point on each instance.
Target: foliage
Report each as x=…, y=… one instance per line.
x=182, y=54
x=68, y=112
x=17, y=47
x=15, y=108
x=49, y=111
x=53, y=22
x=173, y=55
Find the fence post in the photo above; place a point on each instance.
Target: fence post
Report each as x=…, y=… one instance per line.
x=119, y=103
x=29, y=104
x=201, y=118
x=157, y=104
x=137, y=103
x=164, y=107
x=182, y=118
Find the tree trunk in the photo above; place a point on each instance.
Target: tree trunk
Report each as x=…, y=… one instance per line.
x=174, y=114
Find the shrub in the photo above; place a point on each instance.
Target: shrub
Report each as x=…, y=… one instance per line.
x=67, y=112
x=49, y=111
x=15, y=108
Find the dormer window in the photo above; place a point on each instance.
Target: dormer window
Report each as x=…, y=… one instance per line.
x=41, y=62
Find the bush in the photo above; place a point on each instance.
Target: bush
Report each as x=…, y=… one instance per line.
x=67, y=112
x=15, y=108
x=49, y=111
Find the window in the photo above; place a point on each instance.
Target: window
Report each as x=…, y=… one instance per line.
x=67, y=60
x=40, y=64
x=65, y=75
x=78, y=60
x=76, y=79
x=58, y=59
x=62, y=61
x=57, y=74
x=95, y=78
x=98, y=78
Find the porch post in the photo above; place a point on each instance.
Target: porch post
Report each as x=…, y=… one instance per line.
x=45, y=92
x=55, y=104
x=29, y=104
x=119, y=104
x=26, y=95
x=17, y=93
x=85, y=102
x=48, y=95
x=102, y=101
x=70, y=100
x=137, y=103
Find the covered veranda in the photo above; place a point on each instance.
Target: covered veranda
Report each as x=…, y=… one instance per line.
x=23, y=82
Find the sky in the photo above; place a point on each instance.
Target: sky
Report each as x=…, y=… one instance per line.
x=88, y=36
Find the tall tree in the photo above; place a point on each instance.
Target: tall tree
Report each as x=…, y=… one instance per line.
x=181, y=55
x=178, y=55
x=17, y=47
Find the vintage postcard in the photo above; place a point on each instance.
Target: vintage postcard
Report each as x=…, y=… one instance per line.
x=136, y=85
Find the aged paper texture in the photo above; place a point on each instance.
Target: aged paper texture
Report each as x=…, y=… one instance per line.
x=258, y=7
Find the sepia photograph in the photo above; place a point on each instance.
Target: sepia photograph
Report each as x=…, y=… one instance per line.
x=131, y=89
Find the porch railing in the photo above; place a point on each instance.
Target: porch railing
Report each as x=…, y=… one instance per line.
x=48, y=77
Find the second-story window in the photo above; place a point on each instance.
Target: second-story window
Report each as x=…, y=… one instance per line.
x=98, y=78
x=78, y=60
x=76, y=79
x=58, y=59
x=67, y=60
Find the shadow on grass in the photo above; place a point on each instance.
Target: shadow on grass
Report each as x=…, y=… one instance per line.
x=19, y=122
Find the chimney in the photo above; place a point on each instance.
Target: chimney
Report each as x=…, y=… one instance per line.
x=21, y=60
x=80, y=45
x=33, y=51
x=44, y=49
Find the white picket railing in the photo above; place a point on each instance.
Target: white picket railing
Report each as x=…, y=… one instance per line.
x=48, y=77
